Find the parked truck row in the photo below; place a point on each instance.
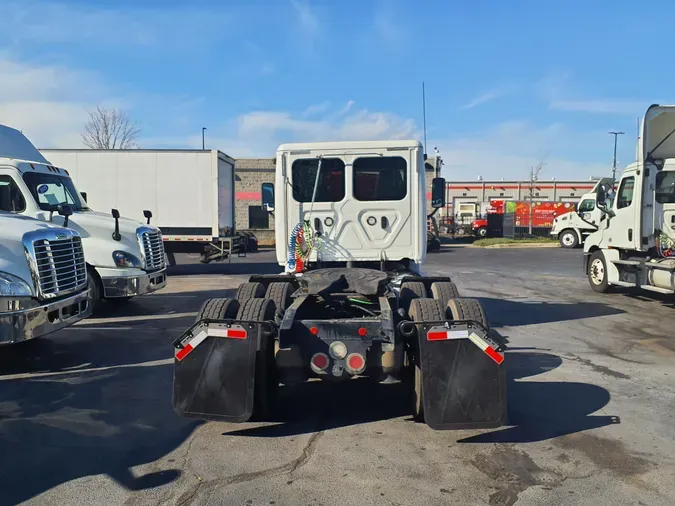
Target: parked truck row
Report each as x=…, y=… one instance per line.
x=61, y=259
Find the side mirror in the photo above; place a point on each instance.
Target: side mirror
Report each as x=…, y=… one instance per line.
x=147, y=214
x=601, y=197
x=84, y=196
x=267, y=194
x=116, y=234
x=438, y=192
x=65, y=210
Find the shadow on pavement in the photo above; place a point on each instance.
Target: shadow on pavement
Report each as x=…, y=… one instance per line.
x=509, y=313
x=541, y=410
x=61, y=427
x=234, y=268
x=537, y=410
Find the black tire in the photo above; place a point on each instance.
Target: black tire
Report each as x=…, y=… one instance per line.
x=443, y=291
x=266, y=381
x=411, y=290
x=597, y=273
x=249, y=291
x=568, y=239
x=482, y=232
x=421, y=310
x=280, y=293
x=95, y=290
x=467, y=309
x=434, y=245
x=218, y=309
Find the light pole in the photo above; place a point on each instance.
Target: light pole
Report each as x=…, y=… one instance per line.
x=616, y=135
x=203, y=130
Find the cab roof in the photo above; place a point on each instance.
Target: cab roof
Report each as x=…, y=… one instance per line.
x=15, y=145
x=346, y=145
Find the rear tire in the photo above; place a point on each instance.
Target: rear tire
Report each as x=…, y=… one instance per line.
x=95, y=290
x=467, y=309
x=421, y=310
x=280, y=293
x=568, y=239
x=443, y=291
x=249, y=291
x=218, y=309
x=482, y=232
x=411, y=290
x=266, y=382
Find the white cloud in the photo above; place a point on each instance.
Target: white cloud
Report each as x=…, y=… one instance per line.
x=391, y=33
x=306, y=19
x=605, y=106
x=486, y=97
x=315, y=109
x=162, y=27
x=47, y=102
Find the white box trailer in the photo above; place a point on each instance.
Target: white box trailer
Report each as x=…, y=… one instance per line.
x=190, y=193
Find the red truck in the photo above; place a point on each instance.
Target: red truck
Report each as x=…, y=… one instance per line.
x=542, y=214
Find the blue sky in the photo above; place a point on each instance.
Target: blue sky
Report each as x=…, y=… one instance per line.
x=508, y=84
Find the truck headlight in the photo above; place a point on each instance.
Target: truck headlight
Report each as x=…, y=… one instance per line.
x=124, y=259
x=13, y=286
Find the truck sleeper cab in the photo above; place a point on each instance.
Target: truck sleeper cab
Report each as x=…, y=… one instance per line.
x=43, y=279
x=124, y=258
x=352, y=300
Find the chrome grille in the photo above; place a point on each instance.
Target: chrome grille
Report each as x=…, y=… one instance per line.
x=153, y=249
x=60, y=267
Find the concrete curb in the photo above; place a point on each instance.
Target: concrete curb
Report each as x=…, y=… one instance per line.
x=519, y=245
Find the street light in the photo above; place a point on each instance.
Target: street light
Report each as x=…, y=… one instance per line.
x=203, y=130
x=616, y=135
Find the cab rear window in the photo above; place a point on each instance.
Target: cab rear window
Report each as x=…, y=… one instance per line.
x=380, y=178
x=330, y=186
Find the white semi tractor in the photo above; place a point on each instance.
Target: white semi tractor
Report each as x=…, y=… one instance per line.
x=572, y=228
x=124, y=257
x=351, y=299
x=634, y=246
x=43, y=277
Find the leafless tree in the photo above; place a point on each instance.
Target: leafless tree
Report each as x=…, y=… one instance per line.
x=535, y=170
x=110, y=129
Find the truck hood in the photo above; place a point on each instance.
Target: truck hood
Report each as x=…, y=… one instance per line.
x=12, y=255
x=96, y=230
x=658, y=123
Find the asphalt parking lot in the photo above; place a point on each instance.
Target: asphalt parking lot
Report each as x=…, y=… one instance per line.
x=86, y=416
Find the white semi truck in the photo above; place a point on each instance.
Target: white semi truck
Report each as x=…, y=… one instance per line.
x=352, y=300
x=125, y=258
x=572, y=228
x=43, y=277
x=635, y=244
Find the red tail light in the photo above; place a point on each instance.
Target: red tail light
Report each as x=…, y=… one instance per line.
x=319, y=362
x=356, y=363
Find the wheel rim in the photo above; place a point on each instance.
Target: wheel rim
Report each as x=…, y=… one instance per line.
x=482, y=232
x=597, y=272
x=568, y=239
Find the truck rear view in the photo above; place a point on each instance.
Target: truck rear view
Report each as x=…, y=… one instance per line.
x=352, y=300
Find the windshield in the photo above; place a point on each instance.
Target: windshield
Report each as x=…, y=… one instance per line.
x=665, y=187
x=50, y=190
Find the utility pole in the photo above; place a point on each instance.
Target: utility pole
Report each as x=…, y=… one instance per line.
x=534, y=175
x=203, y=145
x=616, y=135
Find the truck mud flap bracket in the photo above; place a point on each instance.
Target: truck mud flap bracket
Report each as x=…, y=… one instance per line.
x=214, y=369
x=463, y=374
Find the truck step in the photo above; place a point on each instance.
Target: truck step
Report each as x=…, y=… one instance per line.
x=624, y=283
x=657, y=289
x=627, y=262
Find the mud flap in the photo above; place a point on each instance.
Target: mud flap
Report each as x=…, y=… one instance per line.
x=463, y=377
x=214, y=371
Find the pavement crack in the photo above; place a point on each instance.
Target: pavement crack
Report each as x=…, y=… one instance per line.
x=209, y=486
x=597, y=368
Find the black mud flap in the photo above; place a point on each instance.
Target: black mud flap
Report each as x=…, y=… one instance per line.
x=214, y=370
x=463, y=376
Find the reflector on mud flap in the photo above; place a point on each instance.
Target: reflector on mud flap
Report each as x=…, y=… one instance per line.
x=233, y=332
x=442, y=334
